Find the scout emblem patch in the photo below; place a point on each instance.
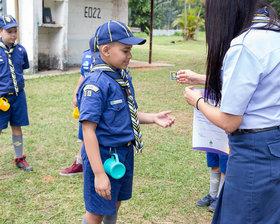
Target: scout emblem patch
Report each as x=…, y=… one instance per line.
x=89, y=88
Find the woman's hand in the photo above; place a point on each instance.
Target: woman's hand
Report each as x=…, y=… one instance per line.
x=192, y=95
x=190, y=77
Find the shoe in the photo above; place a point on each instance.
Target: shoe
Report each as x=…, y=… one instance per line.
x=75, y=169
x=22, y=164
x=212, y=207
x=205, y=201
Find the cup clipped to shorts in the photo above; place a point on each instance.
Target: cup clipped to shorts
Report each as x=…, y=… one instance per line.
x=114, y=167
x=4, y=105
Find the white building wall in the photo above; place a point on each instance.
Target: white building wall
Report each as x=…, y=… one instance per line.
x=61, y=44
x=84, y=18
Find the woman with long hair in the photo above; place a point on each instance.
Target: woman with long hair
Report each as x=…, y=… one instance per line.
x=243, y=75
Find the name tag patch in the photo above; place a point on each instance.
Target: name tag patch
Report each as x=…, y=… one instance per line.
x=113, y=102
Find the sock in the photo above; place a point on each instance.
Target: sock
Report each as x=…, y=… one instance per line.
x=110, y=219
x=221, y=184
x=214, y=183
x=79, y=160
x=84, y=221
x=18, y=146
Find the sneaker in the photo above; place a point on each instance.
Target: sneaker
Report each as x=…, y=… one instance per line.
x=75, y=169
x=205, y=201
x=212, y=207
x=22, y=164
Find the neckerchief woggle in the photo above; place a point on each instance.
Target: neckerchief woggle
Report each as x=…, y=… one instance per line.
x=262, y=16
x=12, y=68
x=123, y=82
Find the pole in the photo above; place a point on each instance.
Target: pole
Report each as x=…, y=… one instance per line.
x=17, y=19
x=151, y=31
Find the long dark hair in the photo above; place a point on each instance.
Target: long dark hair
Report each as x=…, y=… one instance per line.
x=225, y=20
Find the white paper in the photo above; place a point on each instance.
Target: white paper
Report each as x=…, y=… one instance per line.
x=207, y=136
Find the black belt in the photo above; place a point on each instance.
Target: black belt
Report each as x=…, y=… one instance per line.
x=246, y=131
x=6, y=94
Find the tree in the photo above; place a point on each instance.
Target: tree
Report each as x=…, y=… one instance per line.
x=275, y=4
x=139, y=13
x=189, y=20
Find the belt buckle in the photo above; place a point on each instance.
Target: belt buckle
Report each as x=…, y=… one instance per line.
x=129, y=143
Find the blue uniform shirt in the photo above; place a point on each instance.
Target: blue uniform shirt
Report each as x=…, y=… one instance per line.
x=101, y=100
x=87, y=61
x=20, y=62
x=251, y=79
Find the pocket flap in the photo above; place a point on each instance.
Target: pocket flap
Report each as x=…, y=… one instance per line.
x=274, y=148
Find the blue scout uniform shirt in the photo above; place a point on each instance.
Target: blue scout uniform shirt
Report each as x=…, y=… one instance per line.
x=251, y=79
x=20, y=62
x=87, y=61
x=101, y=100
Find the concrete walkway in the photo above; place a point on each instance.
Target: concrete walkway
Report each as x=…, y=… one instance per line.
x=132, y=65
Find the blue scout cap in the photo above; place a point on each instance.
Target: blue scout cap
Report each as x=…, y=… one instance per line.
x=6, y=22
x=114, y=31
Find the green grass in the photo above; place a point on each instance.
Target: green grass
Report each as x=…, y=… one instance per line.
x=169, y=175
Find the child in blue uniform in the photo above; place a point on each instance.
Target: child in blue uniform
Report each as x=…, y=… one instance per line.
x=110, y=122
x=87, y=62
x=217, y=162
x=13, y=60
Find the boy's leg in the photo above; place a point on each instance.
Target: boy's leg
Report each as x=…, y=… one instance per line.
x=91, y=218
x=17, y=141
x=112, y=219
x=215, y=176
x=18, y=146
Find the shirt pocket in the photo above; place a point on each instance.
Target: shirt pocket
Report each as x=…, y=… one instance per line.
x=18, y=64
x=115, y=115
x=274, y=149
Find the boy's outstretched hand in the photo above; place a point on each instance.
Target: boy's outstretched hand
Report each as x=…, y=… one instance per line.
x=163, y=119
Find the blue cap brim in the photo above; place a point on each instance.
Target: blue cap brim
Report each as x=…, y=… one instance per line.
x=10, y=25
x=133, y=41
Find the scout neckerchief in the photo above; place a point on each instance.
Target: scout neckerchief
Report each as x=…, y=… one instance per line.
x=12, y=68
x=123, y=82
x=263, y=17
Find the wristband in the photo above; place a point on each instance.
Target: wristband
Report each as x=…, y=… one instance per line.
x=196, y=105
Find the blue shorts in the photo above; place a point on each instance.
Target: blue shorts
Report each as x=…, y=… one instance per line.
x=217, y=160
x=80, y=134
x=17, y=115
x=121, y=189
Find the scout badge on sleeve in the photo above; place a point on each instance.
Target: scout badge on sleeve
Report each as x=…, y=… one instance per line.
x=173, y=75
x=4, y=105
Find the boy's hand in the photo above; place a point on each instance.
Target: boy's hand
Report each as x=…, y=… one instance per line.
x=103, y=186
x=163, y=120
x=74, y=101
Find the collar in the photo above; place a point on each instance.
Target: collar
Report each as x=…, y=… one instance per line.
x=99, y=64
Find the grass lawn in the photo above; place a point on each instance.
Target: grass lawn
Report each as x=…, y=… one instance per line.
x=169, y=175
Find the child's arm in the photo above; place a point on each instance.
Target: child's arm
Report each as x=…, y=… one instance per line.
x=162, y=119
x=81, y=79
x=102, y=183
x=190, y=77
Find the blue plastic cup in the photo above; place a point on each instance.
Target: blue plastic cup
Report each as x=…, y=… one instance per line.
x=114, y=167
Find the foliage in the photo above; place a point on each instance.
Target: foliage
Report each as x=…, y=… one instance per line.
x=194, y=21
x=139, y=13
x=276, y=5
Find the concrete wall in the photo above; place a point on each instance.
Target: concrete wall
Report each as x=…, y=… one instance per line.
x=84, y=17
x=61, y=44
